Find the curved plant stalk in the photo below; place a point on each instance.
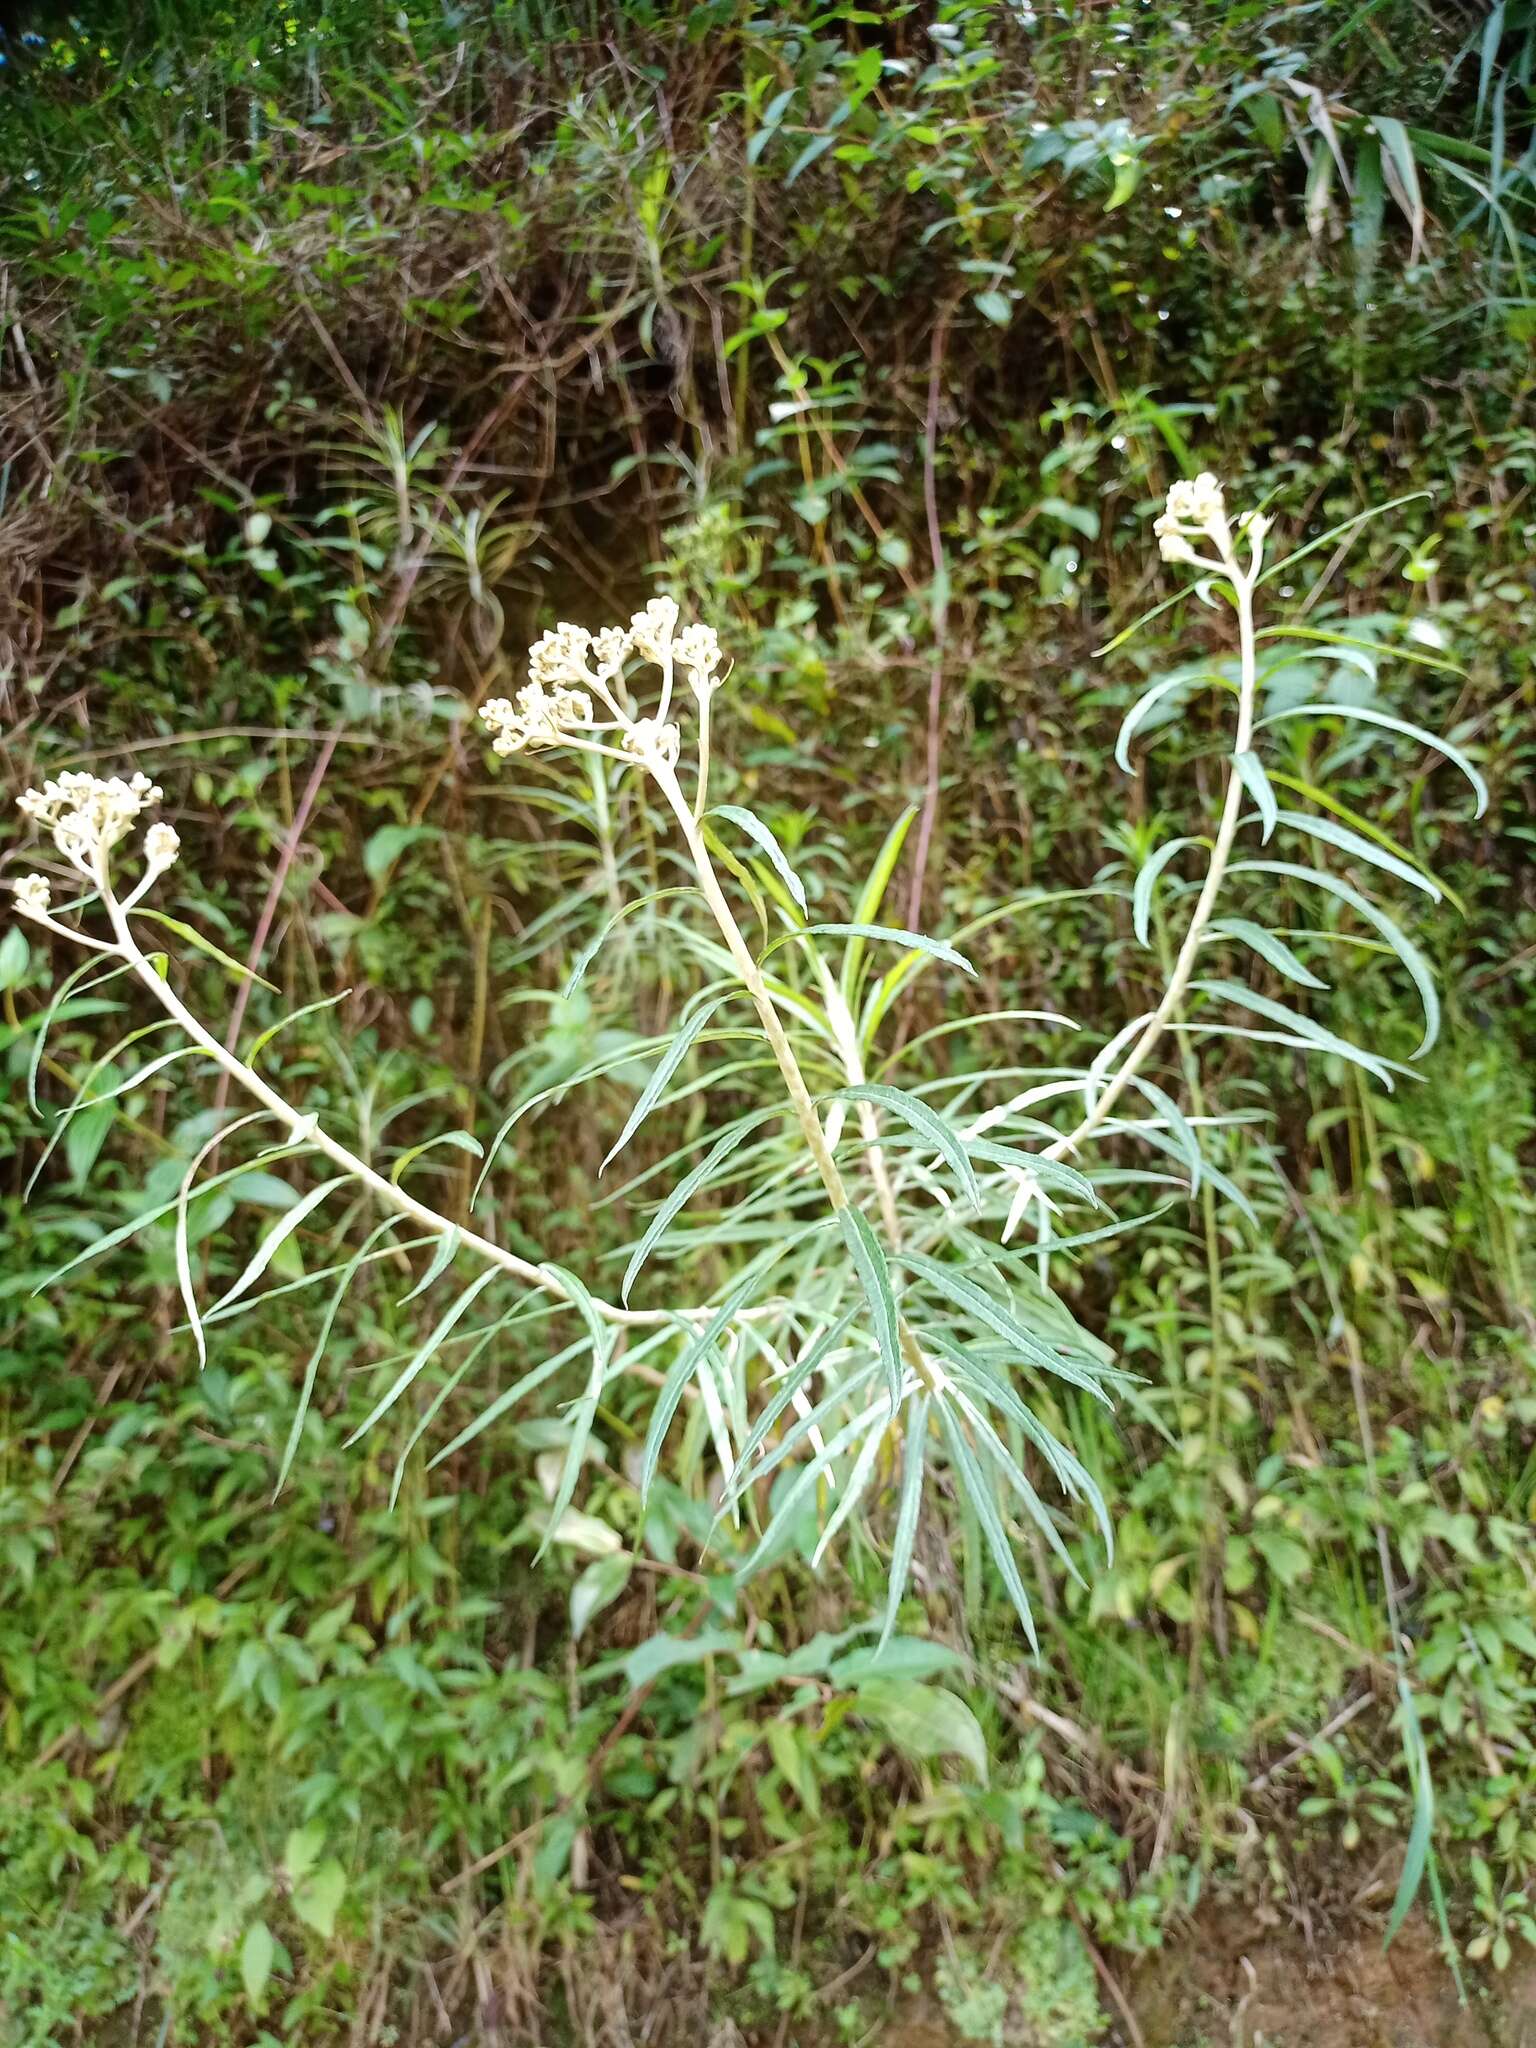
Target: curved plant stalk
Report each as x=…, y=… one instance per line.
x=1244, y=581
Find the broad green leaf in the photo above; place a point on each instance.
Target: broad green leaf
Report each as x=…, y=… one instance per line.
x=648, y=1660
x=317, y=1900
x=385, y=847
x=924, y=1721
x=257, y=1953
x=598, y=1587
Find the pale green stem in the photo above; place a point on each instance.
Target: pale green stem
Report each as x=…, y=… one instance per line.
x=306, y=1130
x=801, y=1100
x=1221, y=853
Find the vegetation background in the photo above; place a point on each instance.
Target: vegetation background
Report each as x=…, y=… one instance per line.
x=346, y=348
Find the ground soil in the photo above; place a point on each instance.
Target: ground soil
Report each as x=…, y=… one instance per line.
x=1233, y=1984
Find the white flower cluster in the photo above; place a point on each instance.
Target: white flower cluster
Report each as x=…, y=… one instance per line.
x=1194, y=511
x=33, y=893
x=652, y=739
x=538, y=717
x=87, y=816
x=568, y=662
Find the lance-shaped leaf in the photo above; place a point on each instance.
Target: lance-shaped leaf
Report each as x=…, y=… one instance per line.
x=584, y=1411
x=908, y=1508
x=462, y=1302
x=685, y=1190
x=665, y=1068
x=763, y=837
x=1413, y=960
x=1146, y=882
x=875, y=1279
x=276, y=1237
x=977, y=1487
x=924, y=1120
x=1362, y=714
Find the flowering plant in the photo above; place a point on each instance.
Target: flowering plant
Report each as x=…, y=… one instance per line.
x=880, y=1326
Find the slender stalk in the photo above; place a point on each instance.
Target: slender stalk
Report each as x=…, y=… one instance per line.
x=801, y=1100
x=307, y=1130
x=1141, y=1051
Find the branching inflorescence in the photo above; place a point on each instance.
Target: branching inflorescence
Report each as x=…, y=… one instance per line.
x=881, y=1324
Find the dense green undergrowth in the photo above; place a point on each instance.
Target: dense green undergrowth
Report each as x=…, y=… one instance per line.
x=877, y=335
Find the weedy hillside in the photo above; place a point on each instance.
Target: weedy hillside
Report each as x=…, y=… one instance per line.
x=766, y=988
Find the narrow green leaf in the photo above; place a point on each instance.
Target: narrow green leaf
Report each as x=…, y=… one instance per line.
x=916, y=941
x=1362, y=714
x=1410, y=956
x=275, y=1238
x=195, y=939
x=872, y=895
x=908, y=1508
x=1269, y=946
x=1302, y=1026
x=679, y=1374
x=457, y=1308
x=1250, y=772
x=977, y=1488
x=584, y=1410
x=925, y=1121
x=665, y=1068
x=685, y=1190
x=447, y=1244
x=1360, y=849
x=875, y=1279
x=757, y=831
x=1146, y=882
x=183, y=1198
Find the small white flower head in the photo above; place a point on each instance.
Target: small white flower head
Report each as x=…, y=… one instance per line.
x=650, y=741
x=560, y=657
x=651, y=630
x=161, y=846
x=87, y=815
x=32, y=895
x=1254, y=526
x=1195, y=511
x=538, y=718
x=610, y=650
x=697, y=649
